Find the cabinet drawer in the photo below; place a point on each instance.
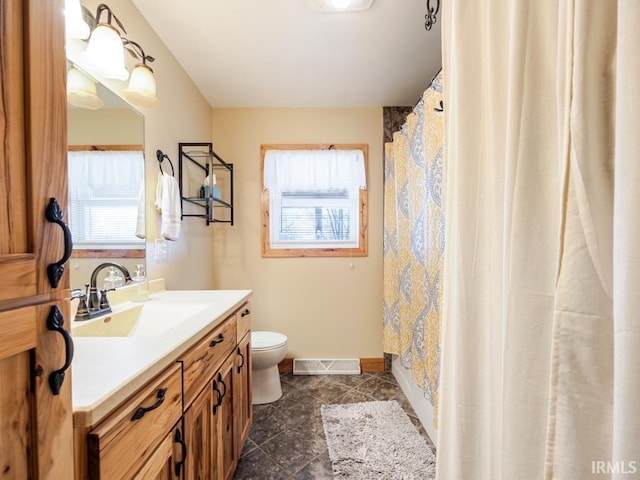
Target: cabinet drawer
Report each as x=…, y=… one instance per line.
x=244, y=320
x=120, y=445
x=205, y=358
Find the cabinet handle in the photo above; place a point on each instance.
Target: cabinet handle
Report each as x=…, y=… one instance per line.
x=219, y=399
x=224, y=385
x=245, y=313
x=217, y=340
x=242, y=357
x=178, y=439
x=139, y=413
x=55, y=270
x=55, y=322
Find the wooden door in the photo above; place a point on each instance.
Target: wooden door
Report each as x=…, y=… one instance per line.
x=33, y=163
x=200, y=436
x=35, y=393
x=36, y=424
x=226, y=424
x=162, y=463
x=242, y=391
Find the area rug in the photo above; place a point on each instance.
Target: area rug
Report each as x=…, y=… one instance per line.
x=375, y=440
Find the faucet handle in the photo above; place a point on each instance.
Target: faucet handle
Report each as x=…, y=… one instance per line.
x=104, y=301
x=78, y=293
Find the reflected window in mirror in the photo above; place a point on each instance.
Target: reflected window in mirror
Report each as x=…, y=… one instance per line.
x=106, y=199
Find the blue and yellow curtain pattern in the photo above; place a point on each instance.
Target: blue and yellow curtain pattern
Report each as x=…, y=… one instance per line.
x=414, y=241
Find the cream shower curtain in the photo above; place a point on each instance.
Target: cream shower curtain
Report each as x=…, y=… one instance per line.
x=414, y=242
x=541, y=342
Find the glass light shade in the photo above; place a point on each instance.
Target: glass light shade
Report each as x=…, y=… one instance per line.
x=105, y=53
x=142, y=87
x=81, y=90
x=75, y=26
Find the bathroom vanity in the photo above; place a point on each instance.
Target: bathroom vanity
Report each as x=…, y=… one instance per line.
x=164, y=391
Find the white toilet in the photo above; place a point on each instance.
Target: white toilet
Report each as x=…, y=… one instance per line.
x=267, y=350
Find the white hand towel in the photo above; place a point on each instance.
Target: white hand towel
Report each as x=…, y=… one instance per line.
x=140, y=223
x=171, y=209
x=158, y=202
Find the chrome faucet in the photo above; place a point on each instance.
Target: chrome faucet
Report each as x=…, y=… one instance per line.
x=98, y=304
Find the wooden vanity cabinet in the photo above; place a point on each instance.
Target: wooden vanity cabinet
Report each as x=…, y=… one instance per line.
x=195, y=430
x=35, y=418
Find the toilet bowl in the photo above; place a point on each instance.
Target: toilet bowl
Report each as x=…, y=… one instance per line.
x=267, y=350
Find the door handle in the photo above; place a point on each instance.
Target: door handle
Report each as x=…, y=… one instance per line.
x=55, y=270
x=55, y=322
x=245, y=313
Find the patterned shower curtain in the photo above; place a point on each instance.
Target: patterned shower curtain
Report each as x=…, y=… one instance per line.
x=414, y=242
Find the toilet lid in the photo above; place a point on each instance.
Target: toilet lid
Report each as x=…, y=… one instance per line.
x=267, y=340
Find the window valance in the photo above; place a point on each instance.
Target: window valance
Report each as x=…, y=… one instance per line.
x=306, y=170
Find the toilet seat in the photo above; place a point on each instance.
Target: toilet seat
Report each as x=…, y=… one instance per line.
x=263, y=341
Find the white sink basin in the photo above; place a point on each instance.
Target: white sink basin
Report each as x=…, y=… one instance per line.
x=148, y=319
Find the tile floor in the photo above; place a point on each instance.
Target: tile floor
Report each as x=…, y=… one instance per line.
x=286, y=440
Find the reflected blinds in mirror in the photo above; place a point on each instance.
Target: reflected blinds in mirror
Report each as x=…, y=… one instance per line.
x=106, y=198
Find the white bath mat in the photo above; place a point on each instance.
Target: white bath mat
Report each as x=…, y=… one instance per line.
x=375, y=440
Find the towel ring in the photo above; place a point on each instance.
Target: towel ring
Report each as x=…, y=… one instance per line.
x=161, y=156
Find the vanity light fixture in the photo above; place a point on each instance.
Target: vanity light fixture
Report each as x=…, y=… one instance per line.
x=333, y=6
x=105, y=53
x=142, y=85
x=81, y=90
x=75, y=26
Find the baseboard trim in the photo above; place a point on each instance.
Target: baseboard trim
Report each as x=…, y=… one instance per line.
x=369, y=365
x=372, y=365
x=286, y=365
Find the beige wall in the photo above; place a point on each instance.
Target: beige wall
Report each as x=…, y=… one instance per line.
x=325, y=307
x=182, y=116
x=115, y=126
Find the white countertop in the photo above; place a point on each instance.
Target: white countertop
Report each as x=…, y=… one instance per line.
x=107, y=370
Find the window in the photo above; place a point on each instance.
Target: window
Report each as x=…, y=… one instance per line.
x=314, y=200
x=106, y=191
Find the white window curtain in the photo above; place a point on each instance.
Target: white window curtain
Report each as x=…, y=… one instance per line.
x=541, y=358
x=104, y=195
x=308, y=170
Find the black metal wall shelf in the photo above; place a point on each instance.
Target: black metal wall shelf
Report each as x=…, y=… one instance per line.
x=200, y=155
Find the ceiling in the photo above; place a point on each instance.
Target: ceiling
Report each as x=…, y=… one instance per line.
x=281, y=53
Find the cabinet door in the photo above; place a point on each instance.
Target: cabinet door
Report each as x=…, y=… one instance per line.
x=36, y=424
x=242, y=391
x=200, y=431
x=33, y=163
x=225, y=418
x=162, y=463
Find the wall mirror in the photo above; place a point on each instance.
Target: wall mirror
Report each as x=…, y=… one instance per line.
x=106, y=186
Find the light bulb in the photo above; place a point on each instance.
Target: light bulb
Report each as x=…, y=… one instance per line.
x=75, y=26
x=341, y=4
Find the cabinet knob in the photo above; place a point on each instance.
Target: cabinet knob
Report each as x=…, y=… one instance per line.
x=245, y=313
